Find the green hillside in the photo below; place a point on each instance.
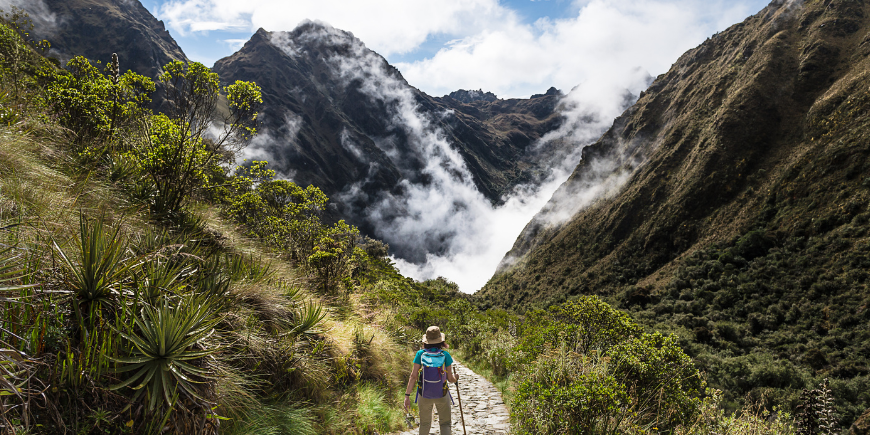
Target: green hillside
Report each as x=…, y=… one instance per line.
x=132, y=301
x=743, y=226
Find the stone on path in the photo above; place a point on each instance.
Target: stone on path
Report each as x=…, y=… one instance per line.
x=482, y=404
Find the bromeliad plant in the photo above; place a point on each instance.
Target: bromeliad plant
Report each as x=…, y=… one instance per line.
x=95, y=271
x=168, y=343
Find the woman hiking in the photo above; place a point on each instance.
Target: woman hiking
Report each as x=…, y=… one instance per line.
x=437, y=367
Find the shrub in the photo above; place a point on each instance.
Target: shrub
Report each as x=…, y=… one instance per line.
x=566, y=392
x=92, y=105
x=606, y=375
x=178, y=155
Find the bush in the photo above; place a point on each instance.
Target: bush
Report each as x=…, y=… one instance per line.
x=569, y=393
x=606, y=375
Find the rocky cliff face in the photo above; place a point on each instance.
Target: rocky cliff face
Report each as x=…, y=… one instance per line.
x=721, y=144
x=97, y=28
x=338, y=116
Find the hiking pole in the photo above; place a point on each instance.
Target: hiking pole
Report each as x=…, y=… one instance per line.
x=461, y=415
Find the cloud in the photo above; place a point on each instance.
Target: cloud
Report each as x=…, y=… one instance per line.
x=437, y=223
x=235, y=44
x=44, y=21
x=263, y=146
x=408, y=23
x=491, y=46
x=517, y=59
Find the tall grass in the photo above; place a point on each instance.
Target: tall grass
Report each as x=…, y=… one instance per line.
x=373, y=412
x=19, y=387
x=752, y=420
x=283, y=419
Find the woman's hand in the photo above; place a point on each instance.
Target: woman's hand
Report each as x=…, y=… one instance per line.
x=407, y=403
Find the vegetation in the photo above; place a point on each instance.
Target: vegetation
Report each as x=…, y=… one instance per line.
x=145, y=288
x=757, y=263
x=123, y=309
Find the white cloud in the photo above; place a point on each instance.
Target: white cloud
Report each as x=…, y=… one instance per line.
x=392, y=26
x=605, y=36
x=44, y=21
x=491, y=47
x=235, y=44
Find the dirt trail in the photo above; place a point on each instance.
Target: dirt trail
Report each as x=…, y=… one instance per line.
x=482, y=404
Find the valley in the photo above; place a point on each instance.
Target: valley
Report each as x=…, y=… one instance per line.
x=679, y=254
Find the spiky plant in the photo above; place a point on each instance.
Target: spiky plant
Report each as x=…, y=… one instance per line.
x=158, y=278
x=815, y=414
x=240, y=268
x=95, y=269
x=167, y=342
x=307, y=320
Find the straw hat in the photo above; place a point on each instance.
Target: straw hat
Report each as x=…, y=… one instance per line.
x=433, y=335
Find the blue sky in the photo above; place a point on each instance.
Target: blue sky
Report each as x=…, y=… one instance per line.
x=512, y=47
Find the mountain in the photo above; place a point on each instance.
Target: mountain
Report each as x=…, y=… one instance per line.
x=97, y=28
x=338, y=116
x=713, y=149
x=730, y=206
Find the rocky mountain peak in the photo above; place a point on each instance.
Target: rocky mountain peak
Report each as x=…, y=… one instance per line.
x=552, y=92
x=467, y=97
x=97, y=28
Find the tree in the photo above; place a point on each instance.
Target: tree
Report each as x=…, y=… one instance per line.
x=94, y=106
x=334, y=255
x=186, y=143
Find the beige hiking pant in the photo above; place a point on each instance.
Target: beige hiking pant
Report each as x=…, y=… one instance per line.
x=443, y=405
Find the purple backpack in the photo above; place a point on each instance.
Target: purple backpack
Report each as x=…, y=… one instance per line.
x=432, y=381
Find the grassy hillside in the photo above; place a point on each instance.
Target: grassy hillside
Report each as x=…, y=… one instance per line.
x=118, y=316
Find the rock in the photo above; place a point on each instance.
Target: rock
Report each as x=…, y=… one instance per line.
x=861, y=426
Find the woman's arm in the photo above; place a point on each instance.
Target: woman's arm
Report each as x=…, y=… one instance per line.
x=452, y=376
x=411, y=381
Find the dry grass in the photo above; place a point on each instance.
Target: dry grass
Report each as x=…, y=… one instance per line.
x=752, y=420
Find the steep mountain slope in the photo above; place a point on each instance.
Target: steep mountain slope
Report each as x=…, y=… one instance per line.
x=338, y=116
x=711, y=148
x=97, y=28
x=742, y=221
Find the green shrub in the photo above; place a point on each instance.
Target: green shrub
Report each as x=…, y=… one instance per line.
x=606, y=375
x=92, y=105
x=568, y=393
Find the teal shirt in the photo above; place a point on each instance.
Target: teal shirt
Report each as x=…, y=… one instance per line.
x=418, y=359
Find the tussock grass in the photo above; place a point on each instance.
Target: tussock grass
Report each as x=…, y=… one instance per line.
x=283, y=419
x=373, y=411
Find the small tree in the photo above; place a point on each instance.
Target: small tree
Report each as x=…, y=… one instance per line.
x=94, y=106
x=183, y=146
x=334, y=255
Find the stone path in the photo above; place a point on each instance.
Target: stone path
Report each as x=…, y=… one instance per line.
x=485, y=413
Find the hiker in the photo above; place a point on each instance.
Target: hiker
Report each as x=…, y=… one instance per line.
x=437, y=370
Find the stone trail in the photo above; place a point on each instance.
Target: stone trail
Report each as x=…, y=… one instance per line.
x=482, y=404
